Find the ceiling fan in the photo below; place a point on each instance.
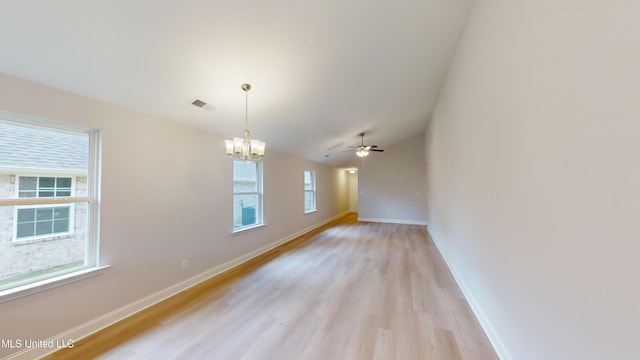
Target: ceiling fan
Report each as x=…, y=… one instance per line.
x=363, y=150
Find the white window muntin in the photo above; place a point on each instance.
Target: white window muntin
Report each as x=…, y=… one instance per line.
x=56, y=189
x=46, y=202
x=24, y=239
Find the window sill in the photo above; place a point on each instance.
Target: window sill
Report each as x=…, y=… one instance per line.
x=247, y=228
x=311, y=211
x=38, y=286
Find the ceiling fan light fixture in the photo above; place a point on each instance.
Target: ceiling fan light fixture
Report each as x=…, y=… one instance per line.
x=245, y=148
x=362, y=153
x=363, y=150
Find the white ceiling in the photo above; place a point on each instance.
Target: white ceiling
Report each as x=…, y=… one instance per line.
x=321, y=71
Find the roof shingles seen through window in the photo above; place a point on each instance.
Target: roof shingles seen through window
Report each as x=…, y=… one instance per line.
x=31, y=148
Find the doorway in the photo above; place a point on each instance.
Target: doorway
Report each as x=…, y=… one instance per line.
x=352, y=190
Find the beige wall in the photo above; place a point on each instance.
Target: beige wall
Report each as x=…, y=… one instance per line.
x=391, y=184
x=534, y=173
x=166, y=196
x=352, y=186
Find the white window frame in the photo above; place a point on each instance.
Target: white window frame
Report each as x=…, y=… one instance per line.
x=92, y=265
x=259, y=204
x=38, y=188
x=49, y=236
x=312, y=191
x=71, y=224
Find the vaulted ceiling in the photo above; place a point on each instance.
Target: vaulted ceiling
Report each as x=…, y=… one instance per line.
x=321, y=71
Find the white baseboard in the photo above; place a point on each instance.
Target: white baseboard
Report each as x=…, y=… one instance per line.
x=493, y=336
x=394, y=221
x=97, y=324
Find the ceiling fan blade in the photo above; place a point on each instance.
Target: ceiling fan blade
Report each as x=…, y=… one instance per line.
x=373, y=146
x=378, y=150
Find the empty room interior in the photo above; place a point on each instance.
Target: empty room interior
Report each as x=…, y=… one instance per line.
x=319, y=180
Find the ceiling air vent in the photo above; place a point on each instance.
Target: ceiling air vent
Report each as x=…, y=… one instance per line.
x=201, y=104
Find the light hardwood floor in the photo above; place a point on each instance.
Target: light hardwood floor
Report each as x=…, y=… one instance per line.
x=349, y=290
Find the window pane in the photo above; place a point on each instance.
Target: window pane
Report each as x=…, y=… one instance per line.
x=244, y=169
x=26, y=230
x=24, y=194
x=245, y=177
x=44, y=227
x=61, y=213
x=309, y=201
x=63, y=183
x=245, y=209
x=28, y=183
x=46, y=182
x=61, y=226
x=63, y=187
x=27, y=186
x=307, y=179
x=25, y=215
x=46, y=185
x=44, y=214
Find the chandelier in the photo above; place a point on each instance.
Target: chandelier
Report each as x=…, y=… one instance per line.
x=245, y=148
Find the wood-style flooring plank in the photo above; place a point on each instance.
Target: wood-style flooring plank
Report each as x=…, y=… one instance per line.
x=349, y=290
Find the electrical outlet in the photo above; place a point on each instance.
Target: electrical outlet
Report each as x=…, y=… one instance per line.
x=184, y=264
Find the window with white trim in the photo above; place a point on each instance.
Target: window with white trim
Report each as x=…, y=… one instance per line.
x=40, y=221
x=49, y=205
x=309, y=191
x=247, y=194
